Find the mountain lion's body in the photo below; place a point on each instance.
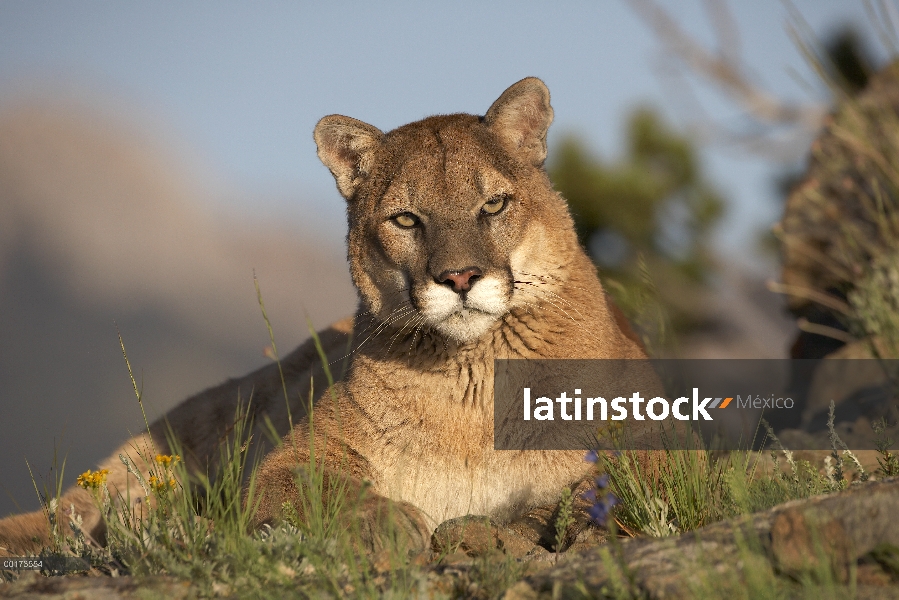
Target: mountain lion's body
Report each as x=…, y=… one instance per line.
x=462, y=253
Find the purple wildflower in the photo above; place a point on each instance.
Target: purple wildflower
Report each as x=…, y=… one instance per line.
x=592, y=456
x=601, y=500
x=599, y=512
x=601, y=508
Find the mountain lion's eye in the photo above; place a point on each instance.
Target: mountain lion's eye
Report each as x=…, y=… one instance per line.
x=494, y=205
x=406, y=220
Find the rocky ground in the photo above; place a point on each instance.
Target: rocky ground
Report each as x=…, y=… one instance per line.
x=844, y=544
x=847, y=541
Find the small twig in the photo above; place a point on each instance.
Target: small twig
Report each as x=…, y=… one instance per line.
x=787, y=453
x=137, y=474
x=725, y=69
x=836, y=440
x=810, y=294
x=832, y=332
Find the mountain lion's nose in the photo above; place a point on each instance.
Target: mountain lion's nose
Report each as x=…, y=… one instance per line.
x=460, y=280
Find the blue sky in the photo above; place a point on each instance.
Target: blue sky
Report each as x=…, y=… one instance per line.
x=236, y=88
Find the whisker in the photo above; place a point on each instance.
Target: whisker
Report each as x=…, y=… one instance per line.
x=397, y=313
x=421, y=322
x=392, y=318
x=401, y=331
x=549, y=278
x=556, y=308
x=561, y=299
x=373, y=317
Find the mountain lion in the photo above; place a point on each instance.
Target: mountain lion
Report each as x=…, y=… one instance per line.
x=462, y=253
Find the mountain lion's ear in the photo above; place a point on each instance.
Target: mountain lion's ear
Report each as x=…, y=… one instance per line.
x=521, y=118
x=346, y=147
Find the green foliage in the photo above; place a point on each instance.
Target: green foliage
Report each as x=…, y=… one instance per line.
x=682, y=496
x=197, y=527
x=564, y=517
x=751, y=577
x=693, y=489
x=747, y=494
x=875, y=302
x=654, y=203
x=887, y=555
x=488, y=577
x=681, y=490
x=888, y=463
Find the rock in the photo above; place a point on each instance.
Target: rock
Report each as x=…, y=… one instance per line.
x=477, y=536
x=805, y=543
x=520, y=591
x=470, y=535
x=843, y=543
x=532, y=534
x=858, y=384
x=829, y=539
x=34, y=585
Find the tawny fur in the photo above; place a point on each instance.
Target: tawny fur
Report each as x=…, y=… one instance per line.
x=415, y=414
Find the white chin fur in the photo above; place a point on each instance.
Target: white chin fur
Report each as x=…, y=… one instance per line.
x=466, y=325
x=444, y=310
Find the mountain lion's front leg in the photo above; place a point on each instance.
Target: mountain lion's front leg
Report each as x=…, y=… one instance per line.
x=325, y=484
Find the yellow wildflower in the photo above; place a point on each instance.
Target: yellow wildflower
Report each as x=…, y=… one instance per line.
x=167, y=460
x=613, y=430
x=89, y=480
x=160, y=484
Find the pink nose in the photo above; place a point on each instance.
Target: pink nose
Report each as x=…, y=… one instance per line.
x=461, y=280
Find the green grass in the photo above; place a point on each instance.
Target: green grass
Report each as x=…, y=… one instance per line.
x=691, y=488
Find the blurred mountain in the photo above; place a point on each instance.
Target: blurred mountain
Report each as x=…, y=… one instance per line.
x=101, y=226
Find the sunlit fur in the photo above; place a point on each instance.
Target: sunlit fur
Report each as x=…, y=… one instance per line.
x=416, y=411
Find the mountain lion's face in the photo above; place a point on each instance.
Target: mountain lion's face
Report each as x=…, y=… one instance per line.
x=448, y=216
x=439, y=226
